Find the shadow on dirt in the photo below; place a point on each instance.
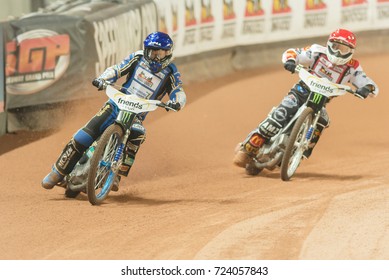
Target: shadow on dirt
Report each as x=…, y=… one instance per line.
x=132, y=199
x=12, y=141
x=314, y=175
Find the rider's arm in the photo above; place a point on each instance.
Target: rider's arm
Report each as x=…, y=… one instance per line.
x=113, y=73
x=359, y=79
x=175, y=91
x=305, y=55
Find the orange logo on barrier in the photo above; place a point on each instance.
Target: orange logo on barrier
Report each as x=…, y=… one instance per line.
x=162, y=24
x=189, y=14
x=206, y=12
x=315, y=4
x=35, y=55
x=346, y=3
x=253, y=8
x=36, y=60
x=163, y=21
x=281, y=6
x=228, y=10
x=175, y=18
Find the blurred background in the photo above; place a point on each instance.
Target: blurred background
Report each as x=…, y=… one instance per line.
x=17, y=8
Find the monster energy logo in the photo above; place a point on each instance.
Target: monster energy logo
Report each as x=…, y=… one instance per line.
x=125, y=117
x=317, y=98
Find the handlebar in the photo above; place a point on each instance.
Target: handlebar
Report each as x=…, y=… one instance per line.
x=166, y=107
x=112, y=90
x=299, y=67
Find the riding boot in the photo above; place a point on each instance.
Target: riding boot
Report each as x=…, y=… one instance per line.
x=69, y=157
x=52, y=179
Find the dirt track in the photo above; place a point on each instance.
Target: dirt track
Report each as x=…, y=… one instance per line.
x=185, y=199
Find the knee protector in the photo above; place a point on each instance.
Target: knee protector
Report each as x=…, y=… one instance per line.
x=324, y=120
x=322, y=123
x=279, y=116
x=269, y=127
x=137, y=137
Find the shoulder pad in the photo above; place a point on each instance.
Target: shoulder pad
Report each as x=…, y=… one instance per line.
x=173, y=67
x=137, y=54
x=315, y=48
x=175, y=74
x=353, y=63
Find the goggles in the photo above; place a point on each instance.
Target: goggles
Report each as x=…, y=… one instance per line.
x=158, y=54
x=339, y=48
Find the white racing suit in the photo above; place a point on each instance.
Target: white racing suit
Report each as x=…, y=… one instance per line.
x=315, y=58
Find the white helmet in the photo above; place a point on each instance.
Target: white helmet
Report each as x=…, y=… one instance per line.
x=340, y=46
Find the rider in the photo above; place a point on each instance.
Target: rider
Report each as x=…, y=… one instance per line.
x=333, y=62
x=150, y=75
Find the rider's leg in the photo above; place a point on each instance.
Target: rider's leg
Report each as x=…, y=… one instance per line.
x=323, y=123
x=137, y=137
x=276, y=119
x=64, y=164
x=76, y=147
x=246, y=150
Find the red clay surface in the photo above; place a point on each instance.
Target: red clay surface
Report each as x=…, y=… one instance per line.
x=185, y=200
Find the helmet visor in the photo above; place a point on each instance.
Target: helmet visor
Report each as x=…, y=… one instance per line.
x=339, y=48
x=158, y=54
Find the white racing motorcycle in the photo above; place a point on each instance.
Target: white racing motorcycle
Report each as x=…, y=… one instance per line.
x=286, y=148
x=96, y=171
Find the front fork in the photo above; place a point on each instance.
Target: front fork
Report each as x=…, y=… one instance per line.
x=119, y=153
x=125, y=121
x=311, y=129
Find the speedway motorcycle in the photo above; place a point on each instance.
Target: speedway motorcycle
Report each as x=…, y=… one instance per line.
x=96, y=171
x=285, y=149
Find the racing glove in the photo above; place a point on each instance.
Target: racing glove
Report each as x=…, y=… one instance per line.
x=290, y=65
x=174, y=105
x=363, y=92
x=99, y=83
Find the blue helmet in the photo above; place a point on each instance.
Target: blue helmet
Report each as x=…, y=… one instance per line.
x=158, y=50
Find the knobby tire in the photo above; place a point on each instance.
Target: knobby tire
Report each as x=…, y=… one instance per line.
x=115, y=133
x=290, y=149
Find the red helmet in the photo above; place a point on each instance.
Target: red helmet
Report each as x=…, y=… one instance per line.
x=340, y=46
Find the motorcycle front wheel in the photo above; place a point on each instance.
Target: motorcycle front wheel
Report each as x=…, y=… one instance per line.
x=296, y=145
x=101, y=176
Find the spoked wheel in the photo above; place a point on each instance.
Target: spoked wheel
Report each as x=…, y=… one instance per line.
x=101, y=175
x=296, y=146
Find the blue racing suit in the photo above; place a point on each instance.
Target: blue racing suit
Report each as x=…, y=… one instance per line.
x=141, y=82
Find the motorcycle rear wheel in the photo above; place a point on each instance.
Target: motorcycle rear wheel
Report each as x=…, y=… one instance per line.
x=101, y=176
x=296, y=145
